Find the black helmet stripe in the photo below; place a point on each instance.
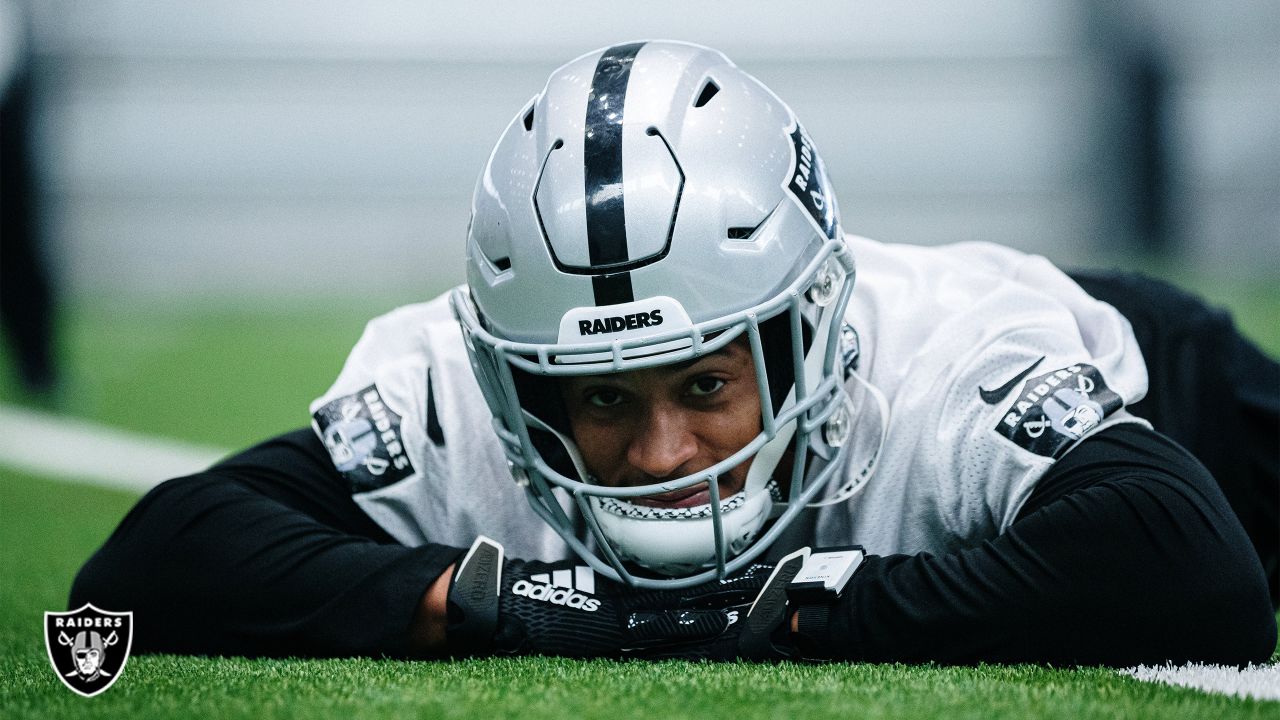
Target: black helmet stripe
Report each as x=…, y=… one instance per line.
x=602, y=158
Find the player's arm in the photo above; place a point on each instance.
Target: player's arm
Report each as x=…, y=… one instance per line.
x=264, y=554
x=267, y=554
x=430, y=622
x=1126, y=553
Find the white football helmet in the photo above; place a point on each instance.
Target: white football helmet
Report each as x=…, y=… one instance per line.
x=652, y=204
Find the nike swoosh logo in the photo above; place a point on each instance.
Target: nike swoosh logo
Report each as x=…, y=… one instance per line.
x=991, y=397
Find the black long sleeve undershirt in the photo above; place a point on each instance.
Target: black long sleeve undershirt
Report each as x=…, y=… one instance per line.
x=1126, y=553
x=265, y=554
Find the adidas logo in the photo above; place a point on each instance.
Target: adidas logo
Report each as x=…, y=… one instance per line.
x=558, y=588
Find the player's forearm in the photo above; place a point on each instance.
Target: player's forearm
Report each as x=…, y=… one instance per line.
x=210, y=566
x=1145, y=564
x=427, y=632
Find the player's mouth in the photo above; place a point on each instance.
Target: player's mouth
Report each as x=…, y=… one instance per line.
x=692, y=496
x=685, y=497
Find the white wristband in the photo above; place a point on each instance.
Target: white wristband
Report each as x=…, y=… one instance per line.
x=825, y=574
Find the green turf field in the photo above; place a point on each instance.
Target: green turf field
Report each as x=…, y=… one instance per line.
x=233, y=376
x=50, y=527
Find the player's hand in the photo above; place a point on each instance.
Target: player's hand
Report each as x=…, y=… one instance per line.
x=502, y=606
x=757, y=630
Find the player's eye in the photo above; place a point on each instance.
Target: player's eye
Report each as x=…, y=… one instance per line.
x=705, y=385
x=604, y=397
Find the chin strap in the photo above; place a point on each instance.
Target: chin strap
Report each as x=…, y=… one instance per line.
x=855, y=484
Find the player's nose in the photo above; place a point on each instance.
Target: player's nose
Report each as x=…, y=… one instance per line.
x=663, y=442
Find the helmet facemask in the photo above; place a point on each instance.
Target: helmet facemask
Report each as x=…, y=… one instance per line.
x=794, y=341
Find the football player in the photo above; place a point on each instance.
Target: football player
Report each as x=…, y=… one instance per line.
x=676, y=411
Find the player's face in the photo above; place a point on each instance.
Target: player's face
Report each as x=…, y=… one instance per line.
x=644, y=426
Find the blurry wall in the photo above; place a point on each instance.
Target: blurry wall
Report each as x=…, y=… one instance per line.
x=330, y=148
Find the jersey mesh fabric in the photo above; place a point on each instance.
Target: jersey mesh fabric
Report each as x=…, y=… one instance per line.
x=935, y=324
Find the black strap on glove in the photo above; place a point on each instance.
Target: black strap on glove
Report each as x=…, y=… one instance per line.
x=472, y=604
x=509, y=607
x=806, y=583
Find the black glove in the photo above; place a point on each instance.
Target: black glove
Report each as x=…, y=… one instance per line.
x=535, y=608
x=808, y=584
x=758, y=630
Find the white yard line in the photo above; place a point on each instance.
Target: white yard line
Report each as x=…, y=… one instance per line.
x=64, y=448
x=1261, y=682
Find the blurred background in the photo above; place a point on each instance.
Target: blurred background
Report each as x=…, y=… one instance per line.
x=220, y=194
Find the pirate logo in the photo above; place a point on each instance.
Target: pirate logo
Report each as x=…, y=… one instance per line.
x=362, y=435
x=1058, y=408
x=88, y=647
x=350, y=438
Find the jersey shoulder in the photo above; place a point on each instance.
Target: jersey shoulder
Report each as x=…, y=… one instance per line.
x=981, y=310
x=383, y=414
x=996, y=357
x=407, y=426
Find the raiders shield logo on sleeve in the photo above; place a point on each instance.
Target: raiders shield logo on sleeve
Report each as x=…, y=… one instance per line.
x=88, y=647
x=363, y=437
x=1058, y=408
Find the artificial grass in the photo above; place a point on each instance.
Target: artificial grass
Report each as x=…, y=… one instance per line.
x=49, y=528
x=227, y=376
x=531, y=689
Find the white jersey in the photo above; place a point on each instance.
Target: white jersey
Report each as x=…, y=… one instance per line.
x=993, y=364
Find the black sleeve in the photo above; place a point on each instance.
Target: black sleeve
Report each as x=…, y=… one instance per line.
x=1126, y=553
x=264, y=554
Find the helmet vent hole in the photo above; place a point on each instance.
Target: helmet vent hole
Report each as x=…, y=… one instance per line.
x=709, y=90
x=740, y=233
x=503, y=264
x=528, y=119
